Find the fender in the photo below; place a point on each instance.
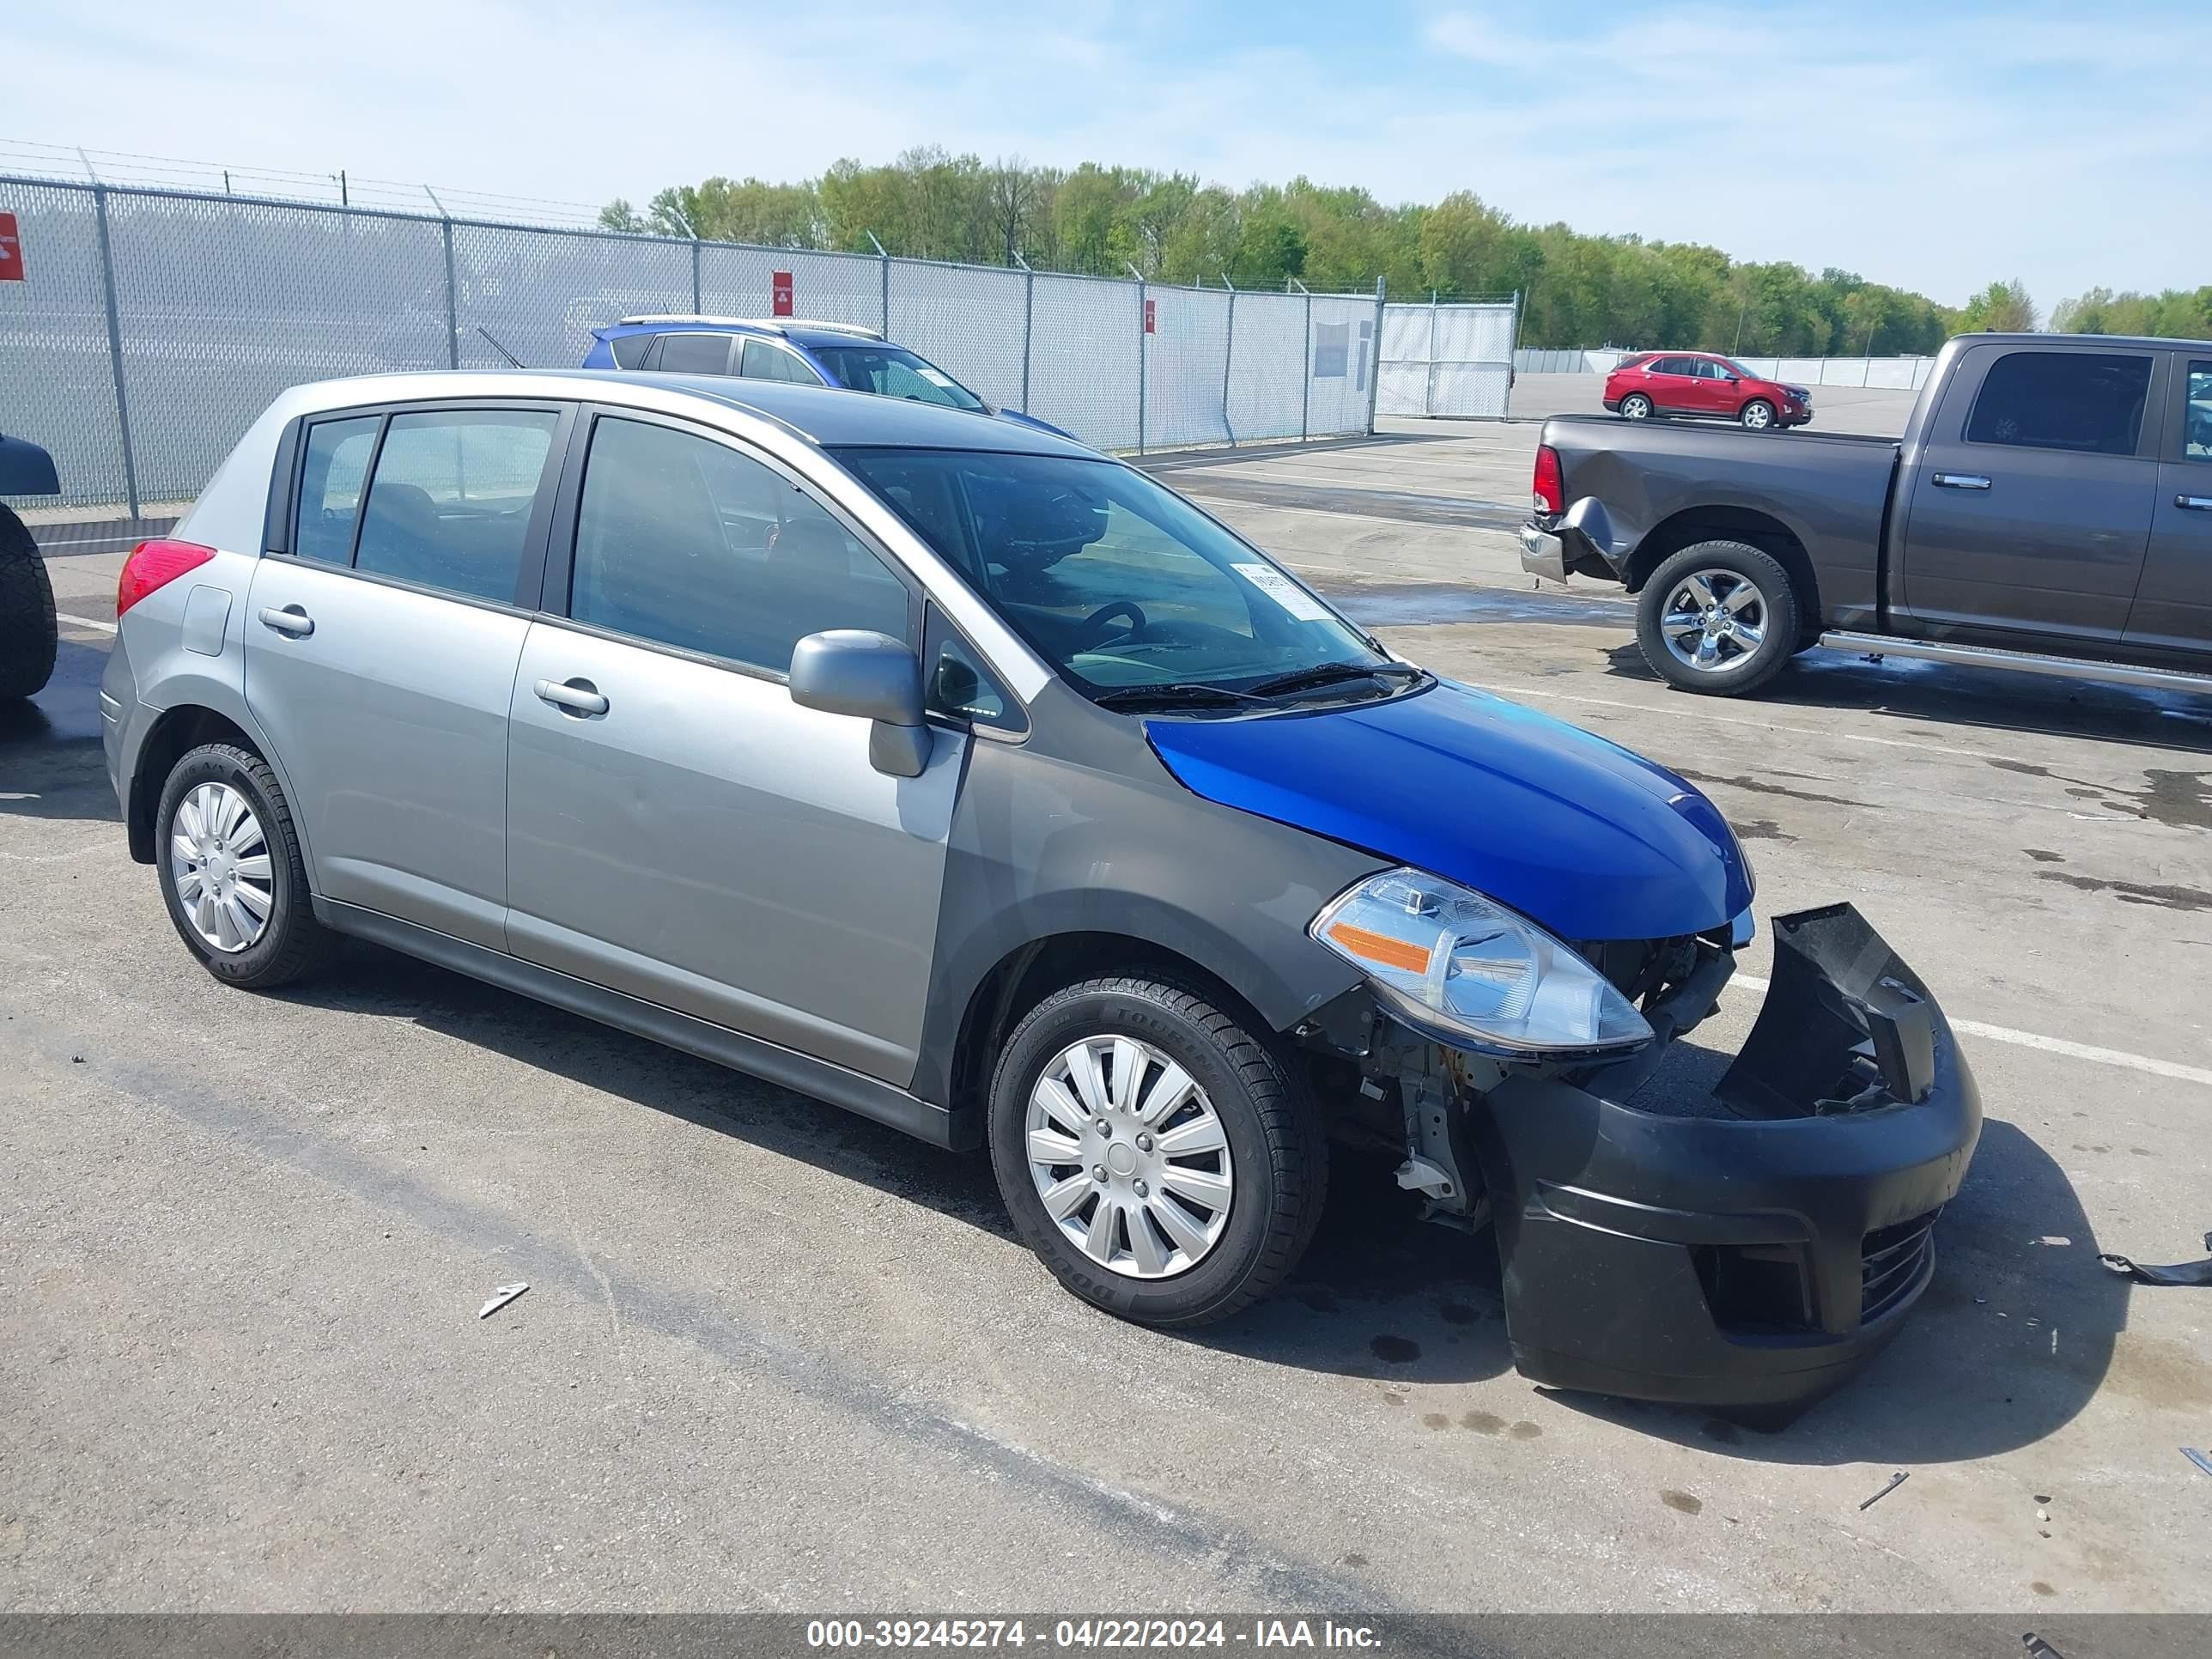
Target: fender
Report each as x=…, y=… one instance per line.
x=26, y=469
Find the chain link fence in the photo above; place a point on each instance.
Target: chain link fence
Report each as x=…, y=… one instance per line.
x=152, y=326
x=1450, y=359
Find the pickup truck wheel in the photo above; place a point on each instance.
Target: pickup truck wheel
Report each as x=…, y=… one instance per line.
x=28, y=636
x=1636, y=407
x=1720, y=617
x=1155, y=1154
x=1758, y=415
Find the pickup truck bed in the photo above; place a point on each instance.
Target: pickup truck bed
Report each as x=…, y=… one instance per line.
x=2049, y=507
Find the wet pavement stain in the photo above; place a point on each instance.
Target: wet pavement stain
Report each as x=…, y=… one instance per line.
x=2042, y=857
x=1762, y=787
x=2135, y=892
x=2180, y=800
x=1395, y=1350
x=1681, y=1501
x=1435, y=1420
x=1482, y=1422
x=1525, y=1432
x=1758, y=830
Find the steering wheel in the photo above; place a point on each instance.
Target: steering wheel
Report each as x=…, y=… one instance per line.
x=1090, y=635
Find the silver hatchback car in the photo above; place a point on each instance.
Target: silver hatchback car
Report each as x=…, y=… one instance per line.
x=953, y=773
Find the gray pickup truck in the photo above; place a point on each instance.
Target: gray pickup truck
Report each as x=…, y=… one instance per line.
x=2048, y=508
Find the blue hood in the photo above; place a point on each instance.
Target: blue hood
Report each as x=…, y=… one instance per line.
x=1576, y=833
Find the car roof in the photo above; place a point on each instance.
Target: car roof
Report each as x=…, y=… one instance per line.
x=825, y=417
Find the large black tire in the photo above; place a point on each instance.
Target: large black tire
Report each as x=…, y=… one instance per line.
x=28, y=635
x=1277, y=1154
x=1736, y=668
x=292, y=943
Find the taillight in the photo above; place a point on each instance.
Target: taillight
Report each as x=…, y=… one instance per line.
x=1551, y=495
x=156, y=564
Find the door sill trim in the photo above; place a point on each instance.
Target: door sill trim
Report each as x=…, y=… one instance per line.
x=870, y=1098
x=2030, y=662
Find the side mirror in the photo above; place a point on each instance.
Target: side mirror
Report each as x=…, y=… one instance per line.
x=870, y=677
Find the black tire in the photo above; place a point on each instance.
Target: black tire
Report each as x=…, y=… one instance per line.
x=1278, y=1154
x=1650, y=408
x=293, y=943
x=1766, y=421
x=28, y=638
x=1746, y=670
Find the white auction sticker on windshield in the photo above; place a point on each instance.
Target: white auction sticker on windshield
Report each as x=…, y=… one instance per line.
x=1284, y=591
x=934, y=376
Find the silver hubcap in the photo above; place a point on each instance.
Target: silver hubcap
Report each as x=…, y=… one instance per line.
x=1713, y=620
x=1635, y=409
x=219, y=861
x=1129, y=1157
x=1758, y=415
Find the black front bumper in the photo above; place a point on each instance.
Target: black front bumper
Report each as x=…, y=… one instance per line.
x=1756, y=1259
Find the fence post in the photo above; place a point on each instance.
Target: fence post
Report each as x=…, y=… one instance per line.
x=453, y=302
x=1428, y=384
x=698, y=303
x=1028, y=324
x=883, y=254
x=1229, y=360
x=1305, y=368
x=1512, y=351
x=115, y=348
x=1143, y=357
x=1375, y=357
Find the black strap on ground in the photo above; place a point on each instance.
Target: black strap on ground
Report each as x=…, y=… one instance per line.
x=2181, y=1273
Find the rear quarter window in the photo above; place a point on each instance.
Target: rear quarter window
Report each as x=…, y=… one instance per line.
x=629, y=349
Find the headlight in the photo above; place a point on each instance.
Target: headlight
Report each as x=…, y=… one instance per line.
x=1449, y=960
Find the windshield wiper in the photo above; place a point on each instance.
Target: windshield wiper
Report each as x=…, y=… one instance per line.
x=1331, y=673
x=1175, y=694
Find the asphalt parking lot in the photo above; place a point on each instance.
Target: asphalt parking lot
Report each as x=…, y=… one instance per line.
x=775, y=1356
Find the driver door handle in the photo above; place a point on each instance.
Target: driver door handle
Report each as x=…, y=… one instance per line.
x=577, y=696
x=2194, y=503
x=290, y=620
x=1960, y=481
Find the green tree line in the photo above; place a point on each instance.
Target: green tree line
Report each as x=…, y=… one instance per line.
x=1577, y=290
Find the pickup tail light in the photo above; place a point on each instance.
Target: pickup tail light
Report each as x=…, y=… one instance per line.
x=1550, y=496
x=155, y=564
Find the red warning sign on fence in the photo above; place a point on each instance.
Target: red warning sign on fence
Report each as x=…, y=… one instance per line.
x=780, y=297
x=11, y=250
x=1151, y=321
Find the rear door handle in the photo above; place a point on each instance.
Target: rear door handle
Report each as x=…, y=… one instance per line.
x=290, y=620
x=573, y=697
x=1961, y=480
x=2194, y=503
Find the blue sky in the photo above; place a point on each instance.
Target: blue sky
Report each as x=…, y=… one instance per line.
x=1935, y=145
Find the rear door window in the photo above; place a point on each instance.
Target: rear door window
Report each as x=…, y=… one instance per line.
x=2196, y=414
x=450, y=504
x=695, y=354
x=332, y=473
x=687, y=542
x=763, y=362
x=2090, y=402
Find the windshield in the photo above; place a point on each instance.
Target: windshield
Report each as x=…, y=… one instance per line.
x=1121, y=584
x=892, y=371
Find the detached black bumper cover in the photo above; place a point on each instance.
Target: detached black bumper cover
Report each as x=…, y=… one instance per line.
x=1757, y=1260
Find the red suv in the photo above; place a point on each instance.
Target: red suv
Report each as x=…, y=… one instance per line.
x=1701, y=384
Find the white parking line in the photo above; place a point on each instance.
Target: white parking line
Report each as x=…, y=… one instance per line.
x=84, y=621
x=2049, y=1045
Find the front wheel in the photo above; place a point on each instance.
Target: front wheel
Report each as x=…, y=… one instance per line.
x=1636, y=407
x=231, y=870
x=1758, y=415
x=1153, y=1152
x=1720, y=617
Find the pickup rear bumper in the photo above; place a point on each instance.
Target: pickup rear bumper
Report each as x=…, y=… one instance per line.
x=1751, y=1260
x=1581, y=539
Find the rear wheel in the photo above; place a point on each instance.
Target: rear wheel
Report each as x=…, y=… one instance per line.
x=1154, y=1152
x=1720, y=617
x=28, y=635
x=1758, y=415
x=231, y=870
x=1636, y=407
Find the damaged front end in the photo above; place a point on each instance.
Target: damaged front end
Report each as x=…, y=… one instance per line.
x=1751, y=1253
